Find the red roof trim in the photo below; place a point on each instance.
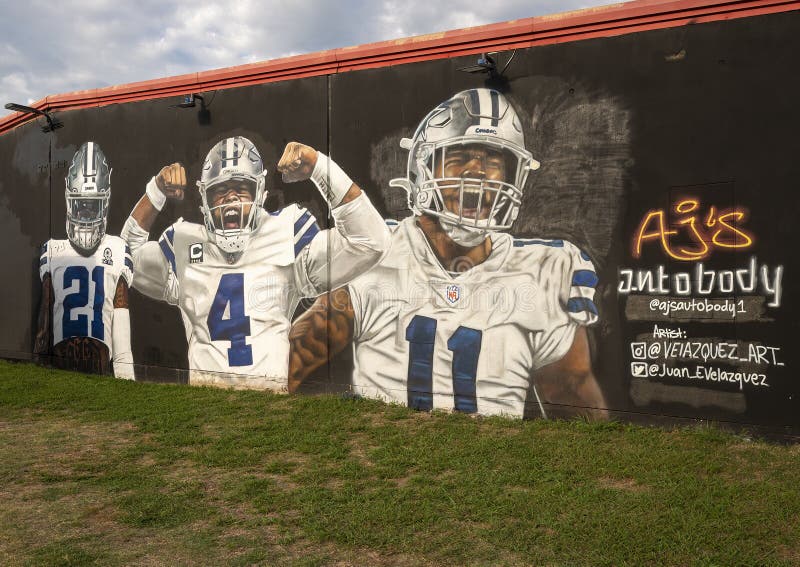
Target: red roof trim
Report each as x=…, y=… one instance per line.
x=605, y=21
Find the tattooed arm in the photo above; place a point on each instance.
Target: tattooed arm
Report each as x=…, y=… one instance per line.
x=319, y=334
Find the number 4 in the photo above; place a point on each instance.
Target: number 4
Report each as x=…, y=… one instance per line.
x=237, y=326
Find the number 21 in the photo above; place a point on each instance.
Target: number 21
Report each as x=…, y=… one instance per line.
x=79, y=327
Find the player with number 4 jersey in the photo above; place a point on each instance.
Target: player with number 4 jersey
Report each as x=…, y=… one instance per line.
x=84, y=322
x=238, y=278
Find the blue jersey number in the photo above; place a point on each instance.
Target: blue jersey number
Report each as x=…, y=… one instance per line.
x=237, y=326
x=79, y=327
x=465, y=344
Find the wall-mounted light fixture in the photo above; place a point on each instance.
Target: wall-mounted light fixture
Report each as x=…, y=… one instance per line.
x=487, y=64
x=52, y=123
x=190, y=101
x=484, y=64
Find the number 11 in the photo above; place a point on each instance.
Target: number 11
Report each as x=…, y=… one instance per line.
x=465, y=344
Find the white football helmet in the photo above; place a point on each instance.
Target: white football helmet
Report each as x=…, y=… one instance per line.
x=88, y=193
x=233, y=159
x=476, y=121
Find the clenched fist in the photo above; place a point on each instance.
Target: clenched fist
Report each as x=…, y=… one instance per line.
x=297, y=162
x=172, y=181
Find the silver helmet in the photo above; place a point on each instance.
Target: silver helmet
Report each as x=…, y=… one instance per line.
x=232, y=162
x=467, y=165
x=88, y=192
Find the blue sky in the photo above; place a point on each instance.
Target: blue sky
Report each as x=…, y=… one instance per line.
x=55, y=47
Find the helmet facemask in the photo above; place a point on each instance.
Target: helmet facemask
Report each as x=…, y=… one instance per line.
x=86, y=219
x=471, y=184
x=234, y=167
x=232, y=219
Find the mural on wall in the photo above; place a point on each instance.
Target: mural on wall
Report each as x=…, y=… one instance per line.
x=572, y=238
x=459, y=314
x=238, y=278
x=84, y=322
x=445, y=309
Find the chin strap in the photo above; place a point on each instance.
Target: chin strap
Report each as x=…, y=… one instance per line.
x=461, y=235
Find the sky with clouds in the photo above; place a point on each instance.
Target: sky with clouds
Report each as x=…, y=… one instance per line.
x=56, y=47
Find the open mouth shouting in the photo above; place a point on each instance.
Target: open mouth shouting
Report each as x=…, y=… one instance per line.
x=232, y=216
x=231, y=204
x=472, y=204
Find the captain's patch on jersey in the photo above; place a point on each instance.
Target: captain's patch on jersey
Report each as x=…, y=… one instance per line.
x=196, y=253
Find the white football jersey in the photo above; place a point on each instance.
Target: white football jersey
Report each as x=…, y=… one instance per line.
x=236, y=315
x=468, y=341
x=84, y=287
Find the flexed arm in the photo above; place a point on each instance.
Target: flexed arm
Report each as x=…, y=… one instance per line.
x=320, y=333
x=360, y=236
x=170, y=183
x=150, y=261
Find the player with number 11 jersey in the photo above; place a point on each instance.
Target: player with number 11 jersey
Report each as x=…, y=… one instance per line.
x=458, y=314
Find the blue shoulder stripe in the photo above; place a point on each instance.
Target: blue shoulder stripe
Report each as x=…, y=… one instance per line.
x=585, y=278
x=275, y=213
x=42, y=260
x=44, y=249
x=128, y=258
x=578, y=304
x=170, y=233
x=552, y=243
x=301, y=222
x=585, y=256
x=309, y=235
x=168, y=253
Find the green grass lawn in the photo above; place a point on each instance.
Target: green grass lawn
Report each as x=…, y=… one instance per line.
x=106, y=472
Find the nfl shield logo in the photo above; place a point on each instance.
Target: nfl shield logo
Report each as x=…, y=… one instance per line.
x=453, y=293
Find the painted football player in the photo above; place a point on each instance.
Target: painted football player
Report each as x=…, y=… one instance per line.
x=458, y=314
x=84, y=323
x=238, y=277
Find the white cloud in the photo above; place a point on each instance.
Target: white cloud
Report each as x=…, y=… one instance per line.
x=51, y=48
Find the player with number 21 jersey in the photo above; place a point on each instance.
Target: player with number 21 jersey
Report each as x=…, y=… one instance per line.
x=84, y=322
